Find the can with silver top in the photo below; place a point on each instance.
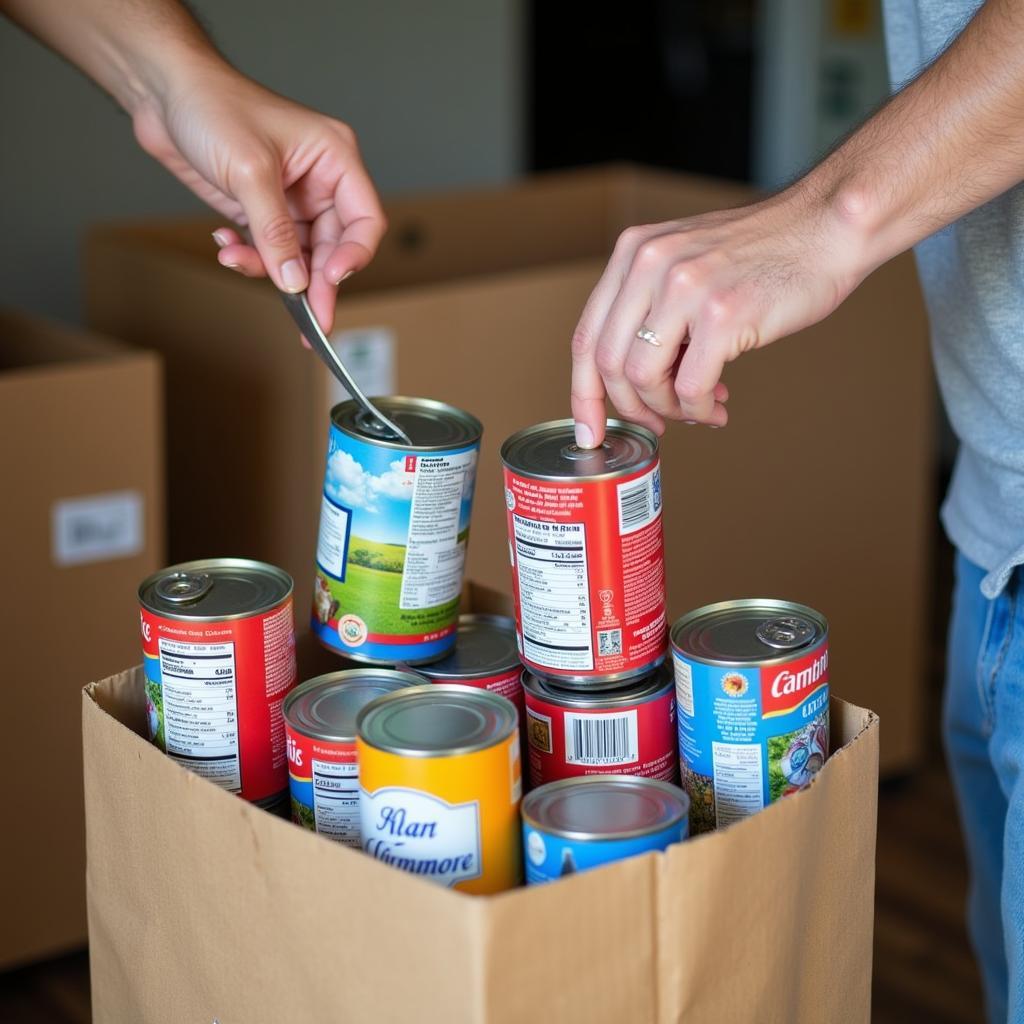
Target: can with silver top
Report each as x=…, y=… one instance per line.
x=578, y=824
x=752, y=704
x=587, y=553
x=486, y=656
x=320, y=729
x=394, y=525
x=630, y=730
x=218, y=640
x=440, y=785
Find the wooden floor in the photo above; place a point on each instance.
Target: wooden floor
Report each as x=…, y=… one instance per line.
x=923, y=969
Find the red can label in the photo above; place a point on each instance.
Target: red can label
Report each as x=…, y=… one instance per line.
x=509, y=684
x=214, y=692
x=588, y=573
x=323, y=777
x=624, y=739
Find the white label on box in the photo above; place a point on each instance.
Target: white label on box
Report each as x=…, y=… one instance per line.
x=422, y=834
x=369, y=355
x=96, y=528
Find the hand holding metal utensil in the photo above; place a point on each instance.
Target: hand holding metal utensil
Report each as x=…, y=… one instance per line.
x=298, y=305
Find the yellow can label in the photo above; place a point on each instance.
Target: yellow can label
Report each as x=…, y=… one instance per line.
x=452, y=820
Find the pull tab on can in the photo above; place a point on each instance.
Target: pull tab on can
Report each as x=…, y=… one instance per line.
x=785, y=633
x=184, y=587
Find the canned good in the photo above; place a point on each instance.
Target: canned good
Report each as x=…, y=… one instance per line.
x=631, y=730
x=587, y=553
x=440, y=785
x=486, y=655
x=394, y=523
x=219, y=643
x=320, y=730
x=577, y=824
x=752, y=699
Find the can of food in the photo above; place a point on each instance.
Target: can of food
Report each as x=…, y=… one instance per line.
x=752, y=704
x=218, y=640
x=486, y=655
x=320, y=729
x=440, y=785
x=577, y=824
x=627, y=731
x=587, y=553
x=394, y=524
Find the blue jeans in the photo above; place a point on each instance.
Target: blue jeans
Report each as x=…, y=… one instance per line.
x=984, y=736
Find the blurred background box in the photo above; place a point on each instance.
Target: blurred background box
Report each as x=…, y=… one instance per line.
x=472, y=300
x=81, y=417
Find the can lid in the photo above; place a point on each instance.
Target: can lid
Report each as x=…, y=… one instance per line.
x=325, y=708
x=484, y=645
x=430, y=425
x=740, y=632
x=654, y=684
x=605, y=807
x=215, y=589
x=548, y=451
x=437, y=720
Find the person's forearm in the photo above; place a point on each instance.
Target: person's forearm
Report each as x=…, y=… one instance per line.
x=949, y=142
x=132, y=48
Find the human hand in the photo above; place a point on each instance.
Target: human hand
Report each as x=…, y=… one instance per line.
x=710, y=287
x=291, y=176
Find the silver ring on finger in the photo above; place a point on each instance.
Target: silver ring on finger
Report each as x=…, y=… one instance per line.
x=651, y=337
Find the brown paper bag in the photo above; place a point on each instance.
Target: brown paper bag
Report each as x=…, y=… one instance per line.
x=203, y=908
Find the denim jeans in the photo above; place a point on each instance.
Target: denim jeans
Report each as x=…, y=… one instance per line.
x=984, y=735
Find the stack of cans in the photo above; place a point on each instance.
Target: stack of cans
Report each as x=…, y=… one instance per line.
x=414, y=755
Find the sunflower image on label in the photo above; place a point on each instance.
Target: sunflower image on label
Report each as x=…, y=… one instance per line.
x=394, y=525
x=422, y=834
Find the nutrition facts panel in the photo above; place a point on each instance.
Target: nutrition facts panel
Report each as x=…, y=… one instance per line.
x=336, y=800
x=201, y=709
x=739, y=786
x=554, y=593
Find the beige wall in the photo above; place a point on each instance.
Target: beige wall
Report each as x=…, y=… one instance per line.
x=433, y=89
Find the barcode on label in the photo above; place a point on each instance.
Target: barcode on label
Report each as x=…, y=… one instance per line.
x=601, y=739
x=639, y=502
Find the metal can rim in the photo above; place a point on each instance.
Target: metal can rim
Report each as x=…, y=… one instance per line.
x=509, y=728
x=340, y=676
x=567, y=423
x=638, y=691
x=476, y=428
x=427, y=669
x=205, y=564
x=641, y=781
x=769, y=604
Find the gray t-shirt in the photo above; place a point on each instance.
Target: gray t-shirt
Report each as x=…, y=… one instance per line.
x=973, y=278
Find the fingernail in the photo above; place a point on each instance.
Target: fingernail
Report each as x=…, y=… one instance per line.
x=220, y=238
x=714, y=426
x=345, y=276
x=584, y=436
x=690, y=423
x=293, y=275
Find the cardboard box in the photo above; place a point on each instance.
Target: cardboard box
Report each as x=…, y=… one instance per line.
x=82, y=470
x=202, y=907
x=819, y=491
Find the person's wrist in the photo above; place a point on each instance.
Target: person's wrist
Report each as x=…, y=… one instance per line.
x=156, y=76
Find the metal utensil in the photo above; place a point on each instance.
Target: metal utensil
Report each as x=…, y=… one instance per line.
x=298, y=306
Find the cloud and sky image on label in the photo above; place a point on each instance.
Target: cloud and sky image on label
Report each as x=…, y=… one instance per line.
x=379, y=500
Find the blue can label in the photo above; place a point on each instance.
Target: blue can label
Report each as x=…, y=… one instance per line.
x=392, y=547
x=750, y=735
x=549, y=857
